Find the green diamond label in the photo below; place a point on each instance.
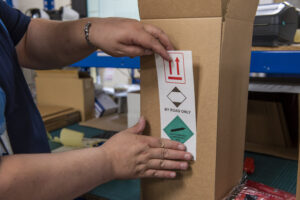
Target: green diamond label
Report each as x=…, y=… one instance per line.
x=178, y=131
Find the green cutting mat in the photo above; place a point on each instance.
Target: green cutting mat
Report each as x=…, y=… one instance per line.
x=275, y=172
x=114, y=190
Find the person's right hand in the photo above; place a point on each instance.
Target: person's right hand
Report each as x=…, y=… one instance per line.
x=127, y=37
x=133, y=155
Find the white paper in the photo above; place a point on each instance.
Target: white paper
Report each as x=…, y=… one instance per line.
x=177, y=98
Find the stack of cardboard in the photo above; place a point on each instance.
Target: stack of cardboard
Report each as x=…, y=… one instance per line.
x=56, y=117
x=219, y=33
x=67, y=88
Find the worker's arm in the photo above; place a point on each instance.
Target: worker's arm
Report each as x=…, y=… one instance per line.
x=50, y=44
x=70, y=174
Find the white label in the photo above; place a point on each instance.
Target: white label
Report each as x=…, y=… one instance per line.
x=177, y=98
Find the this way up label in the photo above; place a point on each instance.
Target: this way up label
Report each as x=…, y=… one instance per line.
x=177, y=98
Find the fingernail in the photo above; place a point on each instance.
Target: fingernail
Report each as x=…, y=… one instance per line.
x=181, y=147
x=183, y=165
x=188, y=156
x=173, y=175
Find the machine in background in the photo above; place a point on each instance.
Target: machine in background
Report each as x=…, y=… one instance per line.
x=275, y=24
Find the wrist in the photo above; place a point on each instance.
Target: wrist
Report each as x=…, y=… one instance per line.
x=106, y=155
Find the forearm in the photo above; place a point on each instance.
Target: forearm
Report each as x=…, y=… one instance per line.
x=52, y=44
x=53, y=176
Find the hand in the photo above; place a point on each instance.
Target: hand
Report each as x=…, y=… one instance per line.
x=126, y=37
x=135, y=156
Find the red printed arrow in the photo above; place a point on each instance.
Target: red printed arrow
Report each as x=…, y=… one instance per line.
x=170, y=66
x=177, y=62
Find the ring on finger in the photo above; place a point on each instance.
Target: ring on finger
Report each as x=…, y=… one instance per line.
x=163, y=153
x=162, y=144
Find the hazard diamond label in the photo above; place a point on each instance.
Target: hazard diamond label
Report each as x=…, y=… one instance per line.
x=178, y=131
x=176, y=97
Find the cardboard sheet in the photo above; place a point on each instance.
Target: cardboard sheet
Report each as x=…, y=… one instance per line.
x=266, y=124
x=115, y=122
x=47, y=110
x=177, y=98
x=286, y=153
x=55, y=117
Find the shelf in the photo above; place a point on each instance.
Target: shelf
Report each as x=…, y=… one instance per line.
x=275, y=62
x=101, y=60
x=270, y=62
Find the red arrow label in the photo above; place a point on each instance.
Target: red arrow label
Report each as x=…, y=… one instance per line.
x=177, y=63
x=170, y=66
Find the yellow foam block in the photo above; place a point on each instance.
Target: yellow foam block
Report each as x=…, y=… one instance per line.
x=49, y=136
x=56, y=139
x=71, y=138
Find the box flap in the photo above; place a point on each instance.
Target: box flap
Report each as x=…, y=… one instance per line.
x=167, y=9
x=170, y=9
x=240, y=9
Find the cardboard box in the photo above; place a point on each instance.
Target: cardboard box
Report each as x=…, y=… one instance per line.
x=66, y=88
x=104, y=105
x=219, y=33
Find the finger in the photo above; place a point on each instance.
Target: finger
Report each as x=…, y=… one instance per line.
x=133, y=51
x=139, y=127
x=147, y=41
x=165, y=143
x=151, y=173
x=169, y=154
x=160, y=35
x=167, y=165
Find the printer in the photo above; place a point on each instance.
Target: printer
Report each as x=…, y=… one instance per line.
x=275, y=24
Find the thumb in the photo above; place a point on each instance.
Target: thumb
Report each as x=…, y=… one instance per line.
x=139, y=127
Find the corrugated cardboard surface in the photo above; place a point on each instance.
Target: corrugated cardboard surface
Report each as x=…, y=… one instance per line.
x=290, y=153
x=266, y=124
x=47, y=111
x=221, y=58
x=71, y=92
x=203, y=37
x=168, y=9
x=232, y=103
x=174, y=9
x=55, y=117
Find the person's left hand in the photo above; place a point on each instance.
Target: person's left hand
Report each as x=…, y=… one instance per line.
x=120, y=37
x=132, y=155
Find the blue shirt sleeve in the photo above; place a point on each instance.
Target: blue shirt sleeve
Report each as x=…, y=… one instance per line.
x=2, y=111
x=15, y=21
